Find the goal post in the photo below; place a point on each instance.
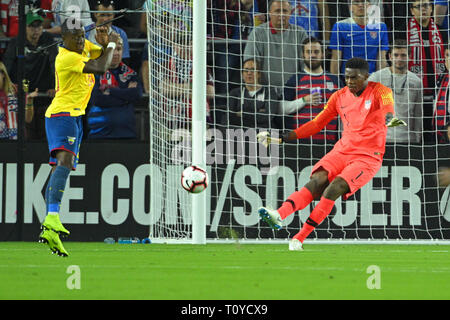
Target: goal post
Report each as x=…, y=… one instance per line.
x=176, y=33
x=199, y=116
x=195, y=50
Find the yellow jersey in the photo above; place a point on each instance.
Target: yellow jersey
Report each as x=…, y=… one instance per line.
x=73, y=87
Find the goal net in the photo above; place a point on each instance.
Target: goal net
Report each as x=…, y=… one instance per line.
x=273, y=69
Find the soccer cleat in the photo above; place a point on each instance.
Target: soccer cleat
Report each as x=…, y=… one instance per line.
x=295, y=245
x=271, y=217
x=52, y=222
x=46, y=237
x=60, y=250
x=51, y=238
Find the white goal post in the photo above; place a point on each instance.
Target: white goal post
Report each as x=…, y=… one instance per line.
x=205, y=110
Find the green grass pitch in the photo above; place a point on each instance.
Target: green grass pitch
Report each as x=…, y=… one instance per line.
x=225, y=272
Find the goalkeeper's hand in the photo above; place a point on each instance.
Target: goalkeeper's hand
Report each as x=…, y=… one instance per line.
x=395, y=122
x=391, y=121
x=265, y=138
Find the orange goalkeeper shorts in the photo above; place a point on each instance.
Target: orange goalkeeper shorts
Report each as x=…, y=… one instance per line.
x=356, y=170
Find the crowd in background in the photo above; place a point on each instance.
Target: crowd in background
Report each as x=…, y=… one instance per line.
x=271, y=64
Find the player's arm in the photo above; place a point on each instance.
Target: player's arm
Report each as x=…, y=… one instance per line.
x=308, y=129
x=101, y=65
x=386, y=101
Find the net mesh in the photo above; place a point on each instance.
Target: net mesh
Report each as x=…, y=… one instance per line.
x=170, y=77
x=262, y=76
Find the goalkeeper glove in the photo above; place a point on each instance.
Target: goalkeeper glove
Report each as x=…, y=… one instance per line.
x=265, y=138
x=395, y=122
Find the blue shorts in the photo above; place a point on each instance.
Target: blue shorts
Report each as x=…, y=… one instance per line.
x=64, y=133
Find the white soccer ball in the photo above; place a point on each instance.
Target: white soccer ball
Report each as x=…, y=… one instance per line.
x=194, y=179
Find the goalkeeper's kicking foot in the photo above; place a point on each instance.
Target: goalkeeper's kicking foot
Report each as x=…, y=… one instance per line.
x=271, y=217
x=52, y=222
x=51, y=238
x=295, y=245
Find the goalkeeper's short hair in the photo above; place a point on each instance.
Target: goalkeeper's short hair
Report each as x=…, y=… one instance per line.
x=358, y=63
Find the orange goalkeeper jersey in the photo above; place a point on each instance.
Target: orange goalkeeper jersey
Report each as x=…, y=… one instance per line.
x=363, y=119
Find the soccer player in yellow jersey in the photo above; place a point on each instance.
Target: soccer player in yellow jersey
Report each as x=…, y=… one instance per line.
x=75, y=65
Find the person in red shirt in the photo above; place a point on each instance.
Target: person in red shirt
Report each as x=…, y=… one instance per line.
x=9, y=13
x=366, y=109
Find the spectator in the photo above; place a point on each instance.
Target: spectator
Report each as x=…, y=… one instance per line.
x=396, y=19
x=64, y=9
x=113, y=98
x=277, y=44
x=175, y=13
x=441, y=18
x=39, y=68
x=441, y=116
x=407, y=89
x=306, y=93
x=249, y=16
x=9, y=11
x=130, y=23
x=160, y=56
x=231, y=19
x=312, y=15
x=249, y=106
x=9, y=106
x=175, y=86
x=166, y=17
x=145, y=69
x=48, y=17
x=102, y=17
x=444, y=173
x=356, y=37
x=340, y=10
x=426, y=57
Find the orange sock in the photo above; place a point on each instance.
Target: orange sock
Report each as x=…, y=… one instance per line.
x=296, y=201
x=320, y=212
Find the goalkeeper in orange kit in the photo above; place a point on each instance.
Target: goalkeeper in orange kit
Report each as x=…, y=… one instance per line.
x=366, y=109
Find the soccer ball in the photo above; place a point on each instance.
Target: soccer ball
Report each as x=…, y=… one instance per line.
x=194, y=179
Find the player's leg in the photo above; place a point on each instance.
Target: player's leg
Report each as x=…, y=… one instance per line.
x=56, y=186
x=296, y=201
x=354, y=176
x=323, y=171
x=52, y=224
x=333, y=191
x=300, y=199
x=63, y=136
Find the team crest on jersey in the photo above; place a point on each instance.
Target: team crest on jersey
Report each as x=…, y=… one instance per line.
x=71, y=140
x=373, y=34
x=367, y=104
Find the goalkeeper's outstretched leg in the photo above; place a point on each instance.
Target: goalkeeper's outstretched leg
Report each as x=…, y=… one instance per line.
x=296, y=201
